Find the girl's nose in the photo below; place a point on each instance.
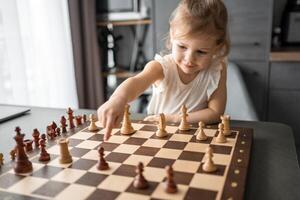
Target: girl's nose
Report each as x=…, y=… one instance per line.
x=188, y=58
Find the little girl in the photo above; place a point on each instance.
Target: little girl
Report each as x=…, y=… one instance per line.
x=193, y=74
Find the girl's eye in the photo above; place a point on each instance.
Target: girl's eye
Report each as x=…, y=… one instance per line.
x=201, y=52
x=181, y=46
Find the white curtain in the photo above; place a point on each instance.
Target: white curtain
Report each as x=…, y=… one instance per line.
x=36, y=58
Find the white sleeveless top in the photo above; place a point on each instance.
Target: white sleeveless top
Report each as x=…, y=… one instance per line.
x=171, y=93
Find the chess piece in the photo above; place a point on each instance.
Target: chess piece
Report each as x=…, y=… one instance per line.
x=65, y=156
x=226, y=122
x=221, y=137
x=36, y=137
x=57, y=130
x=12, y=154
x=22, y=164
x=63, y=124
x=161, y=132
x=43, y=137
x=44, y=155
x=127, y=128
x=102, y=164
x=209, y=165
x=93, y=127
x=201, y=135
x=28, y=145
x=184, y=125
x=170, y=185
x=1, y=159
x=70, y=118
x=53, y=127
x=84, y=118
x=139, y=181
x=78, y=120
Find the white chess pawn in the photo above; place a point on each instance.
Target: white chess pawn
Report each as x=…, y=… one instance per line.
x=161, y=132
x=201, y=135
x=208, y=165
x=127, y=128
x=226, y=122
x=221, y=137
x=93, y=126
x=184, y=125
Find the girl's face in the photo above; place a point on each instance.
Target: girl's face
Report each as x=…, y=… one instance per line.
x=193, y=53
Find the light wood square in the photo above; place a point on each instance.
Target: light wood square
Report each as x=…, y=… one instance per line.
x=230, y=142
x=143, y=134
x=68, y=175
x=113, y=131
x=220, y=159
x=135, y=159
x=88, y=144
x=181, y=137
x=154, y=174
x=113, y=166
x=27, y=185
x=56, y=163
x=119, y=139
x=155, y=143
x=161, y=194
x=207, y=181
x=137, y=126
x=35, y=167
x=75, y=191
x=196, y=147
x=116, y=183
x=132, y=196
x=82, y=135
x=168, y=153
x=186, y=166
x=94, y=155
x=55, y=150
x=126, y=148
x=209, y=132
x=171, y=129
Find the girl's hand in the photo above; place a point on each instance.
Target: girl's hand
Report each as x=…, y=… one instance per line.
x=110, y=114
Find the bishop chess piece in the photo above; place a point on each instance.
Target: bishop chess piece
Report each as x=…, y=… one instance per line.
x=170, y=185
x=161, y=132
x=184, y=125
x=93, y=126
x=22, y=164
x=63, y=124
x=221, y=137
x=65, y=156
x=226, y=122
x=209, y=165
x=201, y=135
x=102, y=164
x=127, y=128
x=44, y=155
x=139, y=181
x=36, y=138
x=70, y=118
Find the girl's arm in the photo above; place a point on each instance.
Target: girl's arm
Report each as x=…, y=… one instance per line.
x=110, y=113
x=216, y=104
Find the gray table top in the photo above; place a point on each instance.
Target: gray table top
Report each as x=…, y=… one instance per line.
x=273, y=172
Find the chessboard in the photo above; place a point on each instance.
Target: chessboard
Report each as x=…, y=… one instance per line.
x=81, y=180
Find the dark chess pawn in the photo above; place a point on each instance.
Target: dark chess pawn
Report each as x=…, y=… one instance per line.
x=102, y=164
x=43, y=137
x=53, y=125
x=57, y=130
x=78, y=120
x=84, y=117
x=63, y=124
x=170, y=186
x=71, y=117
x=44, y=155
x=139, y=181
x=22, y=164
x=36, y=138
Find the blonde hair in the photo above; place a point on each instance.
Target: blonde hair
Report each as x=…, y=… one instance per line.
x=202, y=16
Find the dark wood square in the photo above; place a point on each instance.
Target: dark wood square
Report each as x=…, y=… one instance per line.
x=220, y=170
x=160, y=162
x=91, y=179
x=96, y=137
x=221, y=149
x=164, y=138
x=175, y=145
x=135, y=141
x=191, y=156
x=103, y=194
x=148, y=191
x=108, y=146
x=74, y=142
x=151, y=128
x=146, y=151
x=189, y=132
x=126, y=170
x=8, y=180
x=83, y=164
x=78, y=152
x=194, y=193
x=11, y=196
x=87, y=130
x=51, y=188
x=47, y=172
x=182, y=178
x=117, y=157
x=207, y=141
x=36, y=159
